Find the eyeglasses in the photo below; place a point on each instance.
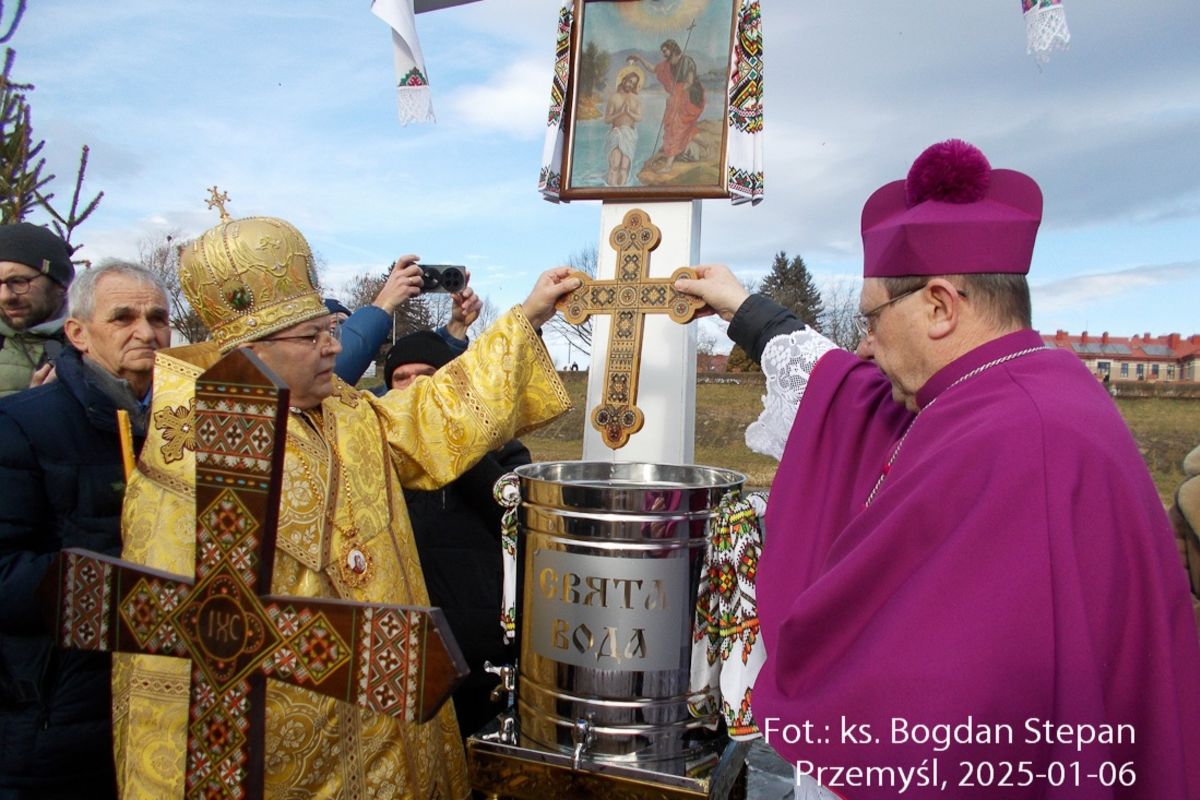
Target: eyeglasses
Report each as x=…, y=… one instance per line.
x=19, y=285
x=865, y=321
x=315, y=339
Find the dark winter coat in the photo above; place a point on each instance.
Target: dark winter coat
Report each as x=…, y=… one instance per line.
x=457, y=531
x=61, y=485
x=22, y=352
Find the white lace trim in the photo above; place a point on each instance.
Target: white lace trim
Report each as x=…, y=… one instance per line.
x=415, y=104
x=787, y=361
x=1046, y=30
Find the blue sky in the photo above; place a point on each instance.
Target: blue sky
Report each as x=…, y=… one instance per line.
x=289, y=106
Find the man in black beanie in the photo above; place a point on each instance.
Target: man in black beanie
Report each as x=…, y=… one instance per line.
x=35, y=271
x=420, y=353
x=457, y=531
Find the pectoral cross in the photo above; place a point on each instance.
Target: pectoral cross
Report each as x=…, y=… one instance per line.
x=395, y=660
x=628, y=299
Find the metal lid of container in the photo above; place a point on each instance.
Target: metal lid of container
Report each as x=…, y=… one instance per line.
x=626, y=486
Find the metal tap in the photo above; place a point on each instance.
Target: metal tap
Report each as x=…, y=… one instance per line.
x=581, y=735
x=508, y=682
x=508, y=729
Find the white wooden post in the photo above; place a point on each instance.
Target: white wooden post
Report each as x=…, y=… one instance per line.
x=667, y=385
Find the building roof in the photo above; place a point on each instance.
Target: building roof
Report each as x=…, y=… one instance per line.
x=1168, y=347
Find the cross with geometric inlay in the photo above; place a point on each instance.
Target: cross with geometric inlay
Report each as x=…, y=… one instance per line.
x=395, y=660
x=628, y=299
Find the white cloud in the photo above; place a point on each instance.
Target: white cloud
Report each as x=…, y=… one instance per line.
x=514, y=101
x=1083, y=289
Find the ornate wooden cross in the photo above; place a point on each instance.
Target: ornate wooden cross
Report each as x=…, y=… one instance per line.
x=628, y=298
x=394, y=660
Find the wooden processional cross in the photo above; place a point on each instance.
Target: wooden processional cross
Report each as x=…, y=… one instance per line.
x=628, y=298
x=395, y=660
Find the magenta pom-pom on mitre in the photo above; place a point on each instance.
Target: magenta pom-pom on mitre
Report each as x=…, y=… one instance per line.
x=952, y=171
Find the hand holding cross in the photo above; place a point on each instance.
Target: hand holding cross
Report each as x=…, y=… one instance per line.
x=629, y=297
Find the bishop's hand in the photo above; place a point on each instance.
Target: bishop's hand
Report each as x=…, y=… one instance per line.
x=718, y=288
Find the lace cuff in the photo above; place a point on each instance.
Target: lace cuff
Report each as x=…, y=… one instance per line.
x=787, y=361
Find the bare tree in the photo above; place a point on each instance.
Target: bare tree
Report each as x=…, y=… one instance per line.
x=22, y=180
x=576, y=337
x=320, y=267
x=160, y=255
x=706, y=342
x=488, y=314
x=440, y=305
x=840, y=307
x=363, y=288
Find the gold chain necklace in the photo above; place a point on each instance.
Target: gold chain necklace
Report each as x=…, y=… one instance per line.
x=896, y=452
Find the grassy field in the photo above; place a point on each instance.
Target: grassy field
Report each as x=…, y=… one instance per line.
x=1165, y=429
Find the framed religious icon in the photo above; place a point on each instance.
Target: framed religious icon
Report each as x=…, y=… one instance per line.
x=646, y=107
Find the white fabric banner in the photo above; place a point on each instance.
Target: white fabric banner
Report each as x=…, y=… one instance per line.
x=412, y=81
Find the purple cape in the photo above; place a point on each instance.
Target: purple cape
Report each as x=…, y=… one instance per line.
x=1015, y=570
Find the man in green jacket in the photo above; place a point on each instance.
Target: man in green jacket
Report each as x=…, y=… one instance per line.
x=35, y=270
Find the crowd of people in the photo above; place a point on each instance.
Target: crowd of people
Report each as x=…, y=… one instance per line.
x=962, y=531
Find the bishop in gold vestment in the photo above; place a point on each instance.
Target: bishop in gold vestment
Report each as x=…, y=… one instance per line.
x=343, y=532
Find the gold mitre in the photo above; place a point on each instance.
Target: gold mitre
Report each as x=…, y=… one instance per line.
x=248, y=278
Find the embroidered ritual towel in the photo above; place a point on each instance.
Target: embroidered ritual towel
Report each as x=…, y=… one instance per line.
x=412, y=82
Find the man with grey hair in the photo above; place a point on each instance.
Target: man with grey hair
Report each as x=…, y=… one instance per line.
x=61, y=485
x=35, y=270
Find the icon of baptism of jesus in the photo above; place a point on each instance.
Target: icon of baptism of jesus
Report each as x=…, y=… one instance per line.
x=650, y=94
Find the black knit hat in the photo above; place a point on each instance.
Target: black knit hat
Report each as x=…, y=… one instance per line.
x=422, y=347
x=38, y=248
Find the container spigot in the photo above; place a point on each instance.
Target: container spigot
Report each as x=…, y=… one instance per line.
x=507, y=684
x=581, y=735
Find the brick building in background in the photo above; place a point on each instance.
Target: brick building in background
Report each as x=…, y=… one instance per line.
x=711, y=362
x=1168, y=359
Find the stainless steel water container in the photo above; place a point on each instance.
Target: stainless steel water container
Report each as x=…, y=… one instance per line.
x=613, y=555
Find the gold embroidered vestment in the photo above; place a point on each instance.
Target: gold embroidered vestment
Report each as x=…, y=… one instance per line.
x=343, y=532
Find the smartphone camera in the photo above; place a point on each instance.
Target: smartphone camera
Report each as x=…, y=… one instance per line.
x=443, y=278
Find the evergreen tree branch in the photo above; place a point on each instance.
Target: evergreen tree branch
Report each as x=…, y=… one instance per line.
x=16, y=20
x=23, y=186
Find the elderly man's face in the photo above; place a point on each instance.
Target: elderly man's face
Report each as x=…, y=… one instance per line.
x=128, y=324
x=302, y=356
x=40, y=301
x=895, y=340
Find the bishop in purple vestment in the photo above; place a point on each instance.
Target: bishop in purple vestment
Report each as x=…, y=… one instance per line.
x=968, y=586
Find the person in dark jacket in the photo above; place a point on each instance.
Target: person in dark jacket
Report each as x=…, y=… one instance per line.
x=457, y=530
x=61, y=485
x=35, y=271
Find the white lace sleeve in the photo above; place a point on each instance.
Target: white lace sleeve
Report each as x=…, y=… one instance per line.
x=787, y=361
